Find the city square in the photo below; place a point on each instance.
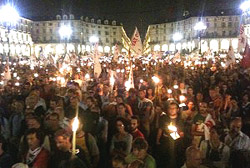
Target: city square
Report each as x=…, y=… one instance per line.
x=168, y=87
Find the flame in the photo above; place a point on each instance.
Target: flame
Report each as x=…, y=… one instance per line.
x=75, y=124
x=172, y=128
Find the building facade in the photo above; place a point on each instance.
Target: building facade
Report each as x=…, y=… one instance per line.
x=47, y=39
x=221, y=32
x=20, y=41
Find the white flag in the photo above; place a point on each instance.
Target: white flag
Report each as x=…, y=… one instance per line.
x=97, y=65
x=7, y=74
x=116, y=53
x=131, y=78
x=242, y=40
x=136, y=44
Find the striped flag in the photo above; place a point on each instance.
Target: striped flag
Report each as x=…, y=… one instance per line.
x=97, y=65
x=116, y=53
x=242, y=39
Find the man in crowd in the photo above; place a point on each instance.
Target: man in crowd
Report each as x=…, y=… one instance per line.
x=135, y=132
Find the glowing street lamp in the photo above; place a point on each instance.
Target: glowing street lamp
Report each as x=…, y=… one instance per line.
x=93, y=39
x=200, y=26
x=65, y=32
x=245, y=6
x=9, y=16
x=177, y=37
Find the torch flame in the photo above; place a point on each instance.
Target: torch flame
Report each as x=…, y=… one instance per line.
x=75, y=124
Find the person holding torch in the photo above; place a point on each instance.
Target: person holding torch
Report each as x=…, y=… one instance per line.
x=170, y=138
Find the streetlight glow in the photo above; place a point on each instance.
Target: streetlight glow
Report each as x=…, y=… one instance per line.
x=93, y=39
x=245, y=6
x=200, y=26
x=9, y=14
x=65, y=31
x=177, y=36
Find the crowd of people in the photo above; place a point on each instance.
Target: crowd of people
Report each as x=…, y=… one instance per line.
x=196, y=115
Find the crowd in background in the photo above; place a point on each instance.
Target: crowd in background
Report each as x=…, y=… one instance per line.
x=208, y=103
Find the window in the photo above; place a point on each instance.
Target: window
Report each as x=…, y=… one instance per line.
x=230, y=24
x=50, y=30
x=157, y=32
x=37, y=24
x=223, y=24
x=230, y=33
x=107, y=40
x=51, y=38
x=44, y=31
x=230, y=18
x=114, y=40
x=51, y=24
x=106, y=33
x=208, y=25
x=114, y=33
x=99, y=32
x=156, y=26
x=87, y=30
x=224, y=33
x=37, y=30
x=43, y=24
x=44, y=38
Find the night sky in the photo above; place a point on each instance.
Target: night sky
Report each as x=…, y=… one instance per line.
x=131, y=13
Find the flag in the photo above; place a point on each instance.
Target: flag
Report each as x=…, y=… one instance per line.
x=136, y=44
x=7, y=74
x=131, y=78
x=242, y=39
x=97, y=65
x=116, y=53
x=245, y=62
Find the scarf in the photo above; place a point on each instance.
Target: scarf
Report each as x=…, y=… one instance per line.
x=32, y=154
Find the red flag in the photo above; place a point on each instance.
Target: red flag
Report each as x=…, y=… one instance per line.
x=245, y=62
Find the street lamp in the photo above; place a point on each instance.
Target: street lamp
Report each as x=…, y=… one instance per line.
x=177, y=37
x=245, y=6
x=9, y=16
x=93, y=40
x=65, y=32
x=200, y=26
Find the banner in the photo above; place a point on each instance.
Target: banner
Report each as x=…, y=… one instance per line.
x=97, y=65
x=136, y=44
x=242, y=39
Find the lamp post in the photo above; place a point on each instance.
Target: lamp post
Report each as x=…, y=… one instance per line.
x=177, y=37
x=8, y=16
x=200, y=26
x=65, y=32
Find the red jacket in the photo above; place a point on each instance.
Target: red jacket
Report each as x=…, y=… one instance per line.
x=41, y=161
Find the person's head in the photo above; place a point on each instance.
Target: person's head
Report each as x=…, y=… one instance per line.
x=190, y=91
x=70, y=92
x=118, y=162
x=150, y=91
x=53, y=121
x=216, y=133
x=62, y=139
x=173, y=110
x=134, y=123
x=182, y=85
x=34, y=122
x=31, y=101
x=212, y=92
x=111, y=98
x=132, y=92
x=140, y=147
x=199, y=97
x=121, y=109
x=60, y=111
x=90, y=101
x=120, y=125
x=203, y=108
x=119, y=99
x=34, y=138
x=190, y=105
x=52, y=103
x=73, y=101
x=18, y=106
x=193, y=157
x=142, y=94
x=245, y=97
x=236, y=125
